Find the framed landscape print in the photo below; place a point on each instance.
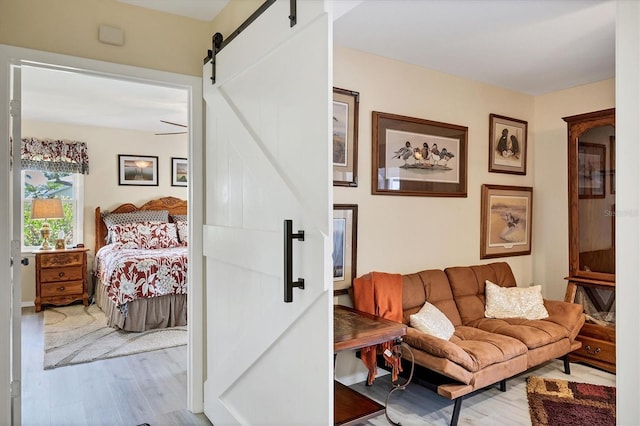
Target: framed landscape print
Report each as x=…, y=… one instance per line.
x=345, y=137
x=345, y=238
x=413, y=156
x=591, y=170
x=138, y=170
x=179, y=171
x=507, y=145
x=505, y=221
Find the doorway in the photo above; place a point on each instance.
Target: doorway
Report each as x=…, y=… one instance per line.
x=192, y=87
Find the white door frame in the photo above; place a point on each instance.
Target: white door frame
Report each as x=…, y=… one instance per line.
x=195, y=306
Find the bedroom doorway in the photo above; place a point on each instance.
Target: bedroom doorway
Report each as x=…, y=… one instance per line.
x=42, y=61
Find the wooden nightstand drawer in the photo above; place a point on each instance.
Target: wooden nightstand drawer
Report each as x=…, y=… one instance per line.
x=61, y=259
x=61, y=289
x=61, y=274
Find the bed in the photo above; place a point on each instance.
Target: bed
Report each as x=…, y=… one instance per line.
x=140, y=269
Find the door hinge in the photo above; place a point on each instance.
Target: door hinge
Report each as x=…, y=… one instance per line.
x=15, y=388
x=14, y=108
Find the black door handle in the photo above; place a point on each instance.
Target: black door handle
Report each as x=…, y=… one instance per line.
x=25, y=261
x=289, y=284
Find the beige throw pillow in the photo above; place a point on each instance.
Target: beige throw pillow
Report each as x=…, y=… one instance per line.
x=514, y=302
x=431, y=320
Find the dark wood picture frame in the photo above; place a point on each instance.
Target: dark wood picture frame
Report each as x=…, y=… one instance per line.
x=507, y=145
x=506, y=215
x=612, y=164
x=591, y=170
x=345, y=137
x=179, y=171
x=418, y=157
x=137, y=170
x=345, y=246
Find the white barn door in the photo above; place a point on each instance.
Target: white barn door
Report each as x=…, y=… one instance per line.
x=267, y=150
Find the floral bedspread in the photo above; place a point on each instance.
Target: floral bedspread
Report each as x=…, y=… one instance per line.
x=132, y=274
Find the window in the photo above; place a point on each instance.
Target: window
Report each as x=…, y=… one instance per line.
x=44, y=184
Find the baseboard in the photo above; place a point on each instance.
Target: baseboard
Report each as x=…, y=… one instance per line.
x=352, y=379
x=28, y=304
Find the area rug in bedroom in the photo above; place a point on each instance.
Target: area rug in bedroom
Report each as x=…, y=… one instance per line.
x=76, y=334
x=556, y=402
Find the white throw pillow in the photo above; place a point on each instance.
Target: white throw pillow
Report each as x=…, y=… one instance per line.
x=431, y=320
x=514, y=302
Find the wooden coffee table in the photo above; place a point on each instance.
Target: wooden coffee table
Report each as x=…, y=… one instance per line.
x=354, y=330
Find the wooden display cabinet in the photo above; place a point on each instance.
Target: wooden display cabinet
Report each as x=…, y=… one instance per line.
x=592, y=275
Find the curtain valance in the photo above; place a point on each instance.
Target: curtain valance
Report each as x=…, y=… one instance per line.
x=54, y=155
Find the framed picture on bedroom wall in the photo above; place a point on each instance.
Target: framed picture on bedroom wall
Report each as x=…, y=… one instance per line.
x=345, y=238
x=414, y=156
x=138, y=170
x=507, y=145
x=345, y=137
x=505, y=221
x=179, y=171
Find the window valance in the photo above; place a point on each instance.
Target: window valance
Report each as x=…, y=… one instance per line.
x=54, y=155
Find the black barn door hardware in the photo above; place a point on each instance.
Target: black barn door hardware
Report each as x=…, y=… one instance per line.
x=289, y=284
x=218, y=42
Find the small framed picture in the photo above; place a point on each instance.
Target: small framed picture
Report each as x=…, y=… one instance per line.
x=413, y=156
x=591, y=170
x=179, y=171
x=137, y=170
x=345, y=137
x=505, y=221
x=345, y=238
x=507, y=145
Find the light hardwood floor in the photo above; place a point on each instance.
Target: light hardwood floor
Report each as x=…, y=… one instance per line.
x=419, y=406
x=149, y=387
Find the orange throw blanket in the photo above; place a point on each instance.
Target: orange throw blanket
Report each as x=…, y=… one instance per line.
x=380, y=294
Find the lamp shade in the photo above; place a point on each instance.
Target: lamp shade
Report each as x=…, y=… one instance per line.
x=46, y=208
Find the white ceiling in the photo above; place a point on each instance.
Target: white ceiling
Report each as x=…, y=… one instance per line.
x=530, y=46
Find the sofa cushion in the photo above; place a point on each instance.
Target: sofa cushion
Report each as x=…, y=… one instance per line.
x=428, y=286
x=514, y=302
x=469, y=347
x=432, y=321
x=468, y=283
x=533, y=333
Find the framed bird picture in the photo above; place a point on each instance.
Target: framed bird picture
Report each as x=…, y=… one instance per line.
x=414, y=156
x=505, y=218
x=507, y=145
x=345, y=137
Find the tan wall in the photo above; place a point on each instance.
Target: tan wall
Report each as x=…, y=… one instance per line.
x=152, y=39
x=101, y=184
x=407, y=234
x=551, y=221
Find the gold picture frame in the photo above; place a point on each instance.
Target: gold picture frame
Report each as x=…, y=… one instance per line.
x=345, y=137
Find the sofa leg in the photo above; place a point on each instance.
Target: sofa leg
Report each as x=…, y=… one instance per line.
x=456, y=411
x=503, y=385
x=567, y=364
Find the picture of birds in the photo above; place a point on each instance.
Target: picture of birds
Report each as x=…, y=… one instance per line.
x=508, y=220
x=415, y=156
x=507, y=145
x=340, y=125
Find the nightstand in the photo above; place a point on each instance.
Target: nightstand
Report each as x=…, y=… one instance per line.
x=61, y=277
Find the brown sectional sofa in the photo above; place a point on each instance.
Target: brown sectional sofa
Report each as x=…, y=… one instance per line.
x=483, y=351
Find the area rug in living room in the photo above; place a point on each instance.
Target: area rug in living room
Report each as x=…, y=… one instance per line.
x=76, y=334
x=556, y=402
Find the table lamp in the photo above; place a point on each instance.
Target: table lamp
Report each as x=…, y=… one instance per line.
x=46, y=208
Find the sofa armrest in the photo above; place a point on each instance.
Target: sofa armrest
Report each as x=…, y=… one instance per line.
x=566, y=314
x=436, y=346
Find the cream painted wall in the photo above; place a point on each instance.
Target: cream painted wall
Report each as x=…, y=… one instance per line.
x=152, y=39
x=551, y=220
x=407, y=234
x=101, y=184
